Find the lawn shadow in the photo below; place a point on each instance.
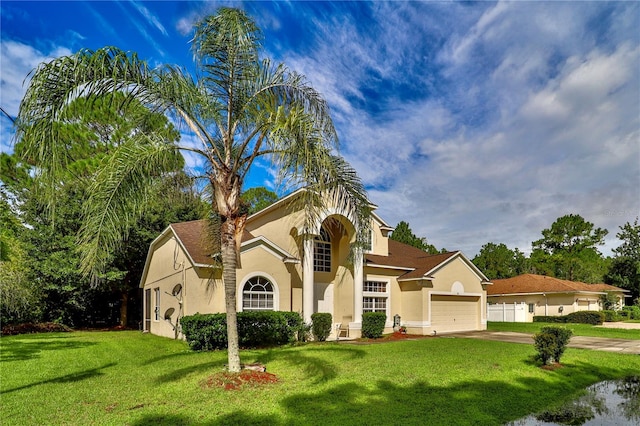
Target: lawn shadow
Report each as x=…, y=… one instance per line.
x=490, y=402
x=179, y=373
x=67, y=378
x=314, y=367
x=28, y=347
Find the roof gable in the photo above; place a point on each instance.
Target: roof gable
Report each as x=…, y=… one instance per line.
x=419, y=264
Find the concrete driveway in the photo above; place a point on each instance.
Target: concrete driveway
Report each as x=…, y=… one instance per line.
x=581, y=342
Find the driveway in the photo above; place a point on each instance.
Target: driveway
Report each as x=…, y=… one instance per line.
x=623, y=346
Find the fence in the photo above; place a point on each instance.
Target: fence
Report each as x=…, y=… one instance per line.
x=507, y=312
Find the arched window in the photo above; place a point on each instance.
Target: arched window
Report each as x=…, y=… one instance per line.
x=257, y=295
x=322, y=252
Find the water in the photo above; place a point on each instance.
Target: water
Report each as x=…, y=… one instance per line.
x=612, y=403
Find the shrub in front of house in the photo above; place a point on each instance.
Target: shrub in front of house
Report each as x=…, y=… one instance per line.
x=551, y=342
x=255, y=329
x=633, y=312
x=551, y=319
x=586, y=317
x=373, y=324
x=321, y=325
x=611, y=316
x=580, y=317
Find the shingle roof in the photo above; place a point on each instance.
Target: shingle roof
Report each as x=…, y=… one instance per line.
x=530, y=283
x=403, y=256
x=192, y=235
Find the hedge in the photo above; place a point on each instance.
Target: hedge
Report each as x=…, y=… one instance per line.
x=255, y=329
x=321, y=323
x=632, y=312
x=611, y=316
x=373, y=324
x=580, y=317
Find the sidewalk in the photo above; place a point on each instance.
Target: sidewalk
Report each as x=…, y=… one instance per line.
x=581, y=342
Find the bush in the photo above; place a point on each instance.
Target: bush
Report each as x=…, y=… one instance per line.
x=633, y=312
x=255, y=329
x=611, y=316
x=586, y=317
x=551, y=343
x=30, y=327
x=373, y=324
x=551, y=319
x=580, y=317
x=321, y=325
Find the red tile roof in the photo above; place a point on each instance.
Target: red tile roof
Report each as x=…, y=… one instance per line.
x=530, y=283
x=403, y=256
x=192, y=235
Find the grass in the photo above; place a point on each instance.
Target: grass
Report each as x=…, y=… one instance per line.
x=578, y=329
x=103, y=378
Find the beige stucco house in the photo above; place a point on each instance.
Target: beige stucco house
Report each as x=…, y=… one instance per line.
x=286, y=269
x=542, y=295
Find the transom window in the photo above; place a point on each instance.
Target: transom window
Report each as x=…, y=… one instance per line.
x=375, y=286
x=257, y=295
x=322, y=252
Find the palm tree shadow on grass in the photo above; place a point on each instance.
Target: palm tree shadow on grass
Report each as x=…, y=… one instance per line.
x=317, y=367
x=32, y=347
x=471, y=402
x=67, y=378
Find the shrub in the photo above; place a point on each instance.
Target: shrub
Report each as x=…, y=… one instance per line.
x=321, y=325
x=255, y=329
x=551, y=343
x=373, y=324
x=551, y=319
x=633, y=312
x=611, y=316
x=586, y=317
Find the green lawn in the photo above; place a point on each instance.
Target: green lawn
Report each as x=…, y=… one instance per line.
x=578, y=329
x=119, y=378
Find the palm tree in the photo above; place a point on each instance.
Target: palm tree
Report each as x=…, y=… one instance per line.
x=239, y=107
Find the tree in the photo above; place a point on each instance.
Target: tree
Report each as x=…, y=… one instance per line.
x=624, y=270
x=258, y=198
x=403, y=234
x=498, y=261
x=565, y=246
x=240, y=108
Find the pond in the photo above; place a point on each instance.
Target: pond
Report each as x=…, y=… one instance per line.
x=615, y=402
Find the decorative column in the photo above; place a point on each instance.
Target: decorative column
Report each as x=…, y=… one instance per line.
x=358, y=279
x=307, y=279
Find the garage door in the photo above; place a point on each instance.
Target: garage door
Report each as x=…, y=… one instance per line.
x=455, y=313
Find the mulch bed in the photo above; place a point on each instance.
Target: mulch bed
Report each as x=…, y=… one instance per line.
x=30, y=327
x=389, y=337
x=236, y=381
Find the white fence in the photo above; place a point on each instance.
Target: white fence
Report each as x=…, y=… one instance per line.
x=507, y=312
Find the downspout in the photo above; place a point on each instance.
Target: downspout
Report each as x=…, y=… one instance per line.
x=545, y=304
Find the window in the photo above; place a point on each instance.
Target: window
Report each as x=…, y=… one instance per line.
x=375, y=296
x=374, y=304
x=257, y=295
x=322, y=252
x=531, y=306
x=156, y=308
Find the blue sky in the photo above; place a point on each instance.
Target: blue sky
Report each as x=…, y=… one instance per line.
x=475, y=122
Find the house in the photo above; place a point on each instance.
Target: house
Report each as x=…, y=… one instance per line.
x=532, y=295
x=285, y=268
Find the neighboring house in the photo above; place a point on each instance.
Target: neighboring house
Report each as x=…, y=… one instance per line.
x=533, y=295
x=284, y=268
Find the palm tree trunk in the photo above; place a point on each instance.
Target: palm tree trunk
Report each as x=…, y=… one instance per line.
x=229, y=264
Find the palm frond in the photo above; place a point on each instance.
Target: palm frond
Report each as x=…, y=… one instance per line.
x=117, y=196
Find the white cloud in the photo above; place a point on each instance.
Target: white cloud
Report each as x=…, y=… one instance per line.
x=17, y=61
x=541, y=118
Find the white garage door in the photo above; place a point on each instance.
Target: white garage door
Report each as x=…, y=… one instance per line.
x=455, y=313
